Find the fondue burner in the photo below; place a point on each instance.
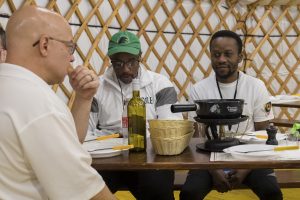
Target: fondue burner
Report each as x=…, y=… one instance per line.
x=215, y=142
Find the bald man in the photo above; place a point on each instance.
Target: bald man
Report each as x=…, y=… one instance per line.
x=41, y=156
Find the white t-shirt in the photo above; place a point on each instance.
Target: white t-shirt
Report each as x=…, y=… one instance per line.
x=40, y=154
x=252, y=90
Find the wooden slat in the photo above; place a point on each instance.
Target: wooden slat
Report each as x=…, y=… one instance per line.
x=284, y=122
x=249, y=20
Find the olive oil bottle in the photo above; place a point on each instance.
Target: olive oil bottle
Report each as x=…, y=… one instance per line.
x=136, y=119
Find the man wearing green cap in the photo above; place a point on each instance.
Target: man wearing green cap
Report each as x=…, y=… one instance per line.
x=156, y=90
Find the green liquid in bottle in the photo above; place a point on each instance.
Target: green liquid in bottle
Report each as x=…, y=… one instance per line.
x=136, y=120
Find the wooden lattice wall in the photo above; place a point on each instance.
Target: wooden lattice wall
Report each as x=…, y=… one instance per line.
x=175, y=37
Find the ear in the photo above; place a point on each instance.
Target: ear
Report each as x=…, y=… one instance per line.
x=44, y=45
x=140, y=56
x=240, y=57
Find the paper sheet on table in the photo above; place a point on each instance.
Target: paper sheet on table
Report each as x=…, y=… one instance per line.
x=282, y=155
x=101, y=145
x=256, y=137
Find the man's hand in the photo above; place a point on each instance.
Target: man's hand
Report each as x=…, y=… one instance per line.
x=220, y=180
x=236, y=177
x=84, y=82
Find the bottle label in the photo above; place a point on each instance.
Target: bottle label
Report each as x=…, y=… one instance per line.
x=124, y=122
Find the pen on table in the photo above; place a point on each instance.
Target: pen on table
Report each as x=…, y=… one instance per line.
x=283, y=148
x=115, y=135
x=278, y=148
x=118, y=147
x=257, y=136
x=262, y=136
x=104, y=137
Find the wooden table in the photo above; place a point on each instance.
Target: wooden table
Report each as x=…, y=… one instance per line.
x=189, y=159
x=292, y=104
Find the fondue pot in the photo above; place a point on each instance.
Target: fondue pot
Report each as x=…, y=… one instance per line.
x=214, y=112
x=213, y=108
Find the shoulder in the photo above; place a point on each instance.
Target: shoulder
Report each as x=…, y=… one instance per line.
x=251, y=80
x=254, y=84
x=106, y=84
x=159, y=80
x=204, y=83
x=37, y=96
x=199, y=89
x=158, y=77
x=34, y=103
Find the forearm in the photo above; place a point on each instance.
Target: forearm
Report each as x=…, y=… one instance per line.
x=261, y=125
x=80, y=111
x=104, y=194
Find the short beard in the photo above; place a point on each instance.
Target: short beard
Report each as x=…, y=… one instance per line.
x=226, y=76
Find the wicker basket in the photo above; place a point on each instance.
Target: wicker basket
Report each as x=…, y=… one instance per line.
x=159, y=123
x=172, y=132
x=170, y=146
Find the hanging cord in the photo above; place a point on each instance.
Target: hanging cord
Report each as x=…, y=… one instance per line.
x=243, y=133
x=237, y=128
x=123, y=102
x=235, y=92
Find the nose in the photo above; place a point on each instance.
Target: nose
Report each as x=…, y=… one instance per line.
x=126, y=67
x=222, y=58
x=72, y=58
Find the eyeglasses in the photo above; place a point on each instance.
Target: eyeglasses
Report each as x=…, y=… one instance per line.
x=69, y=44
x=118, y=64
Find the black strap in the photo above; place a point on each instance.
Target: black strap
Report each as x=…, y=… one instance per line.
x=235, y=92
x=236, y=86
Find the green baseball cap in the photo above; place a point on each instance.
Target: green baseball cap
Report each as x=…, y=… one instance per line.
x=124, y=42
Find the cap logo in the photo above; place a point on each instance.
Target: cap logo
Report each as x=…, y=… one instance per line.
x=123, y=40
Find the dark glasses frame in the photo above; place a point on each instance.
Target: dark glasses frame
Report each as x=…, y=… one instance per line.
x=70, y=44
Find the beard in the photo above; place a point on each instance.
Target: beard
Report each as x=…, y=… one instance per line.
x=127, y=78
x=225, y=71
x=225, y=75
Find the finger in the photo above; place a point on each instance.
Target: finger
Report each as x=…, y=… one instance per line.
x=227, y=185
x=86, y=80
x=90, y=85
x=89, y=82
x=227, y=176
x=222, y=188
x=233, y=182
x=77, y=71
x=80, y=73
x=219, y=188
x=232, y=172
x=232, y=178
x=69, y=71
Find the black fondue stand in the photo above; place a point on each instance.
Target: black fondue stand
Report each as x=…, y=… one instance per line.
x=219, y=142
x=216, y=142
x=213, y=118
